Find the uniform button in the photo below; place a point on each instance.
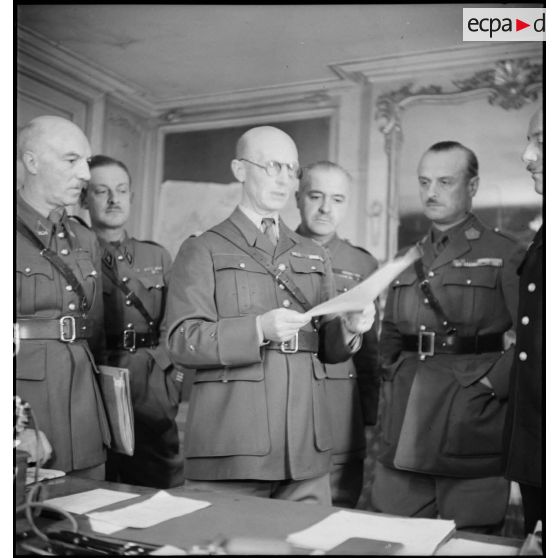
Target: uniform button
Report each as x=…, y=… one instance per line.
x=523, y=356
x=225, y=381
x=286, y=303
x=71, y=306
x=242, y=265
x=425, y=301
x=423, y=328
x=496, y=229
x=531, y=287
x=158, y=286
x=430, y=274
x=182, y=330
x=345, y=289
x=397, y=282
x=129, y=326
x=125, y=279
x=525, y=320
x=94, y=273
x=191, y=347
x=128, y=303
x=282, y=287
x=351, y=375
x=27, y=270
x=468, y=281
x=120, y=258
x=281, y=267
x=151, y=323
x=60, y=235
x=313, y=267
x=64, y=252
x=68, y=287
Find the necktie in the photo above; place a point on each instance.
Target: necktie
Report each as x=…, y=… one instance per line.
x=268, y=228
x=440, y=246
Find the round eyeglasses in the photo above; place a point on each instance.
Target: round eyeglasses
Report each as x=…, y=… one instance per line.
x=273, y=168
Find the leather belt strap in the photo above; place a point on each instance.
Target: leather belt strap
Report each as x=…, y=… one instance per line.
x=430, y=343
x=65, y=329
x=130, y=340
x=306, y=341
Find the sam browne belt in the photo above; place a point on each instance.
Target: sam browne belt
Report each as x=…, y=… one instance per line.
x=429, y=343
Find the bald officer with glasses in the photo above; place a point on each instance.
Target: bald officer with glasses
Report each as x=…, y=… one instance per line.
x=258, y=422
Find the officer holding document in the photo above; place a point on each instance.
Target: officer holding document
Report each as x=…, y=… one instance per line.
x=446, y=364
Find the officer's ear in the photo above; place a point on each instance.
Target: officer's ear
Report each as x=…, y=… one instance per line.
x=238, y=170
x=30, y=162
x=473, y=186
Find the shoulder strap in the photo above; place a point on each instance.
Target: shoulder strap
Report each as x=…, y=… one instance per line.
x=230, y=232
x=56, y=262
x=424, y=285
x=129, y=294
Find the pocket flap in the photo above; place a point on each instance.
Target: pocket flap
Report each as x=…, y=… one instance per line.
x=236, y=261
x=306, y=265
x=469, y=370
x=408, y=277
x=31, y=361
x=251, y=373
x=471, y=277
x=340, y=371
x=152, y=281
x=36, y=267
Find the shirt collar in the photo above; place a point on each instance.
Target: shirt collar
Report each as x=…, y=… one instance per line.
x=452, y=232
x=256, y=218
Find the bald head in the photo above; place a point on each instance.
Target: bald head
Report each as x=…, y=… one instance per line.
x=54, y=153
x=251, y=141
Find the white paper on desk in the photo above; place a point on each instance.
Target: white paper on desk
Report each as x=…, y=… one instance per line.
x=364, y=294
x=83, y=502
x=419, y=536
x=465, y=547
x=160, y=507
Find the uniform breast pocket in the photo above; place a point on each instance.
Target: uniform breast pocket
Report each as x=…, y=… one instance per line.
x=405, y=299
x=36, y=288
x=308, y=275
x=343, y=284
x=469, y=293
x=241, y=285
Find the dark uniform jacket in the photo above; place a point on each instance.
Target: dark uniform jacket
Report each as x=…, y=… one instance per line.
x=254, y=413
x=144, y=267
x=437, y=417
x=353, y=386
x=56, y=377
x=524, y=427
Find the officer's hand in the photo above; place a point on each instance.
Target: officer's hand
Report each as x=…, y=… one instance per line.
x=360, y=322
x=38, y=453
x=281, y=324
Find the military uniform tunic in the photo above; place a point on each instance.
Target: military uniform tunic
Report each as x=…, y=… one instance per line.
x=254, y=413
x=143, y=267
x=524, y=427
x=438, y=418
x=58, y=378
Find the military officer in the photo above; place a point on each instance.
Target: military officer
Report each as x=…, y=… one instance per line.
x=134, y=288
x=524, y=429
x=257, y=421
x=59, y=310
x=352, y=387
x=446, y=365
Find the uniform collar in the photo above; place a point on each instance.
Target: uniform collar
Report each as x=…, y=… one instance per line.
x=111, y=251
x=43, y=227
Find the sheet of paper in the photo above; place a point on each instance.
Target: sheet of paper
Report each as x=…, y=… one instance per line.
x=160, y=507
x=464, y=547
x=364, y=293
x=44, y=474
x=103, y=527
x=419, y=536
x=84, y=502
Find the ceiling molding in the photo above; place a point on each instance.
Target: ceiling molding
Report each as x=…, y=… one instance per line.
x=399, y=66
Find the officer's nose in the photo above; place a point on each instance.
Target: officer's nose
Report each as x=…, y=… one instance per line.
x=432, y=190
x=83, y=170
x=530, y=154
x=325, y=206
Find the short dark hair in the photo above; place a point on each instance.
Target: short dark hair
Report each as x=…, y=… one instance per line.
x=320, y=165
x=472, y=161
x=106, y=161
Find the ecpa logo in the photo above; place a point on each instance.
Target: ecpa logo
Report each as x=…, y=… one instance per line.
x=503, y=24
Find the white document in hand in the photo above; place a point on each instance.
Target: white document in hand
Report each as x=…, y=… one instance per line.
x=419, y=536
x=364, y=294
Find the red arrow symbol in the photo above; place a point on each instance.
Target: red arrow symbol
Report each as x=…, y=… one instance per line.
x=519, y=25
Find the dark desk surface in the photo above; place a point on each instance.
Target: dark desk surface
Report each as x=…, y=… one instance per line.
x=231, y=515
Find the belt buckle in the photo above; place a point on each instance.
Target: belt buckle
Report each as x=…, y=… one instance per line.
x=429, y=351
x=129, y=340
x=64, y=320
x=290, y=346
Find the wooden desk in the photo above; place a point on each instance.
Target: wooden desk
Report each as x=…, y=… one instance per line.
x=230, y=515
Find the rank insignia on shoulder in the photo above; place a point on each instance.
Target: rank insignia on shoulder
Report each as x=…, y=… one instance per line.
x=472, y=234
x=348, y=274
x=480, y=262
x=308, y=256
x=153, y=269
x=42, y=230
